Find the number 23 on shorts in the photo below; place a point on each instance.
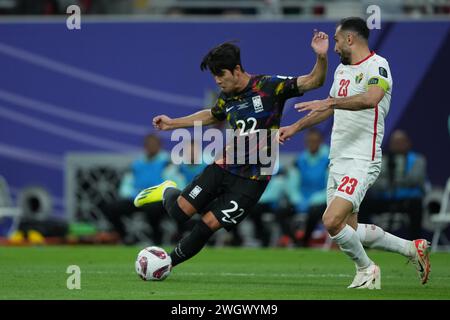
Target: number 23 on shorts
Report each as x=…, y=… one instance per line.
x=348, y=185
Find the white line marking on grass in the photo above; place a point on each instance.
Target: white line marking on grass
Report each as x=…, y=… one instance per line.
x=230, y=274
x=280, y=275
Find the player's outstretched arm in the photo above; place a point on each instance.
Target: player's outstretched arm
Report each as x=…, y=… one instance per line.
x=370, y=99
x=306, y=122
x=366, y=100
x=316, y=78
x=163, y=122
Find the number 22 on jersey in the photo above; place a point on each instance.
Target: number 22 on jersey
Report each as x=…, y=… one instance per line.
x=244, y=124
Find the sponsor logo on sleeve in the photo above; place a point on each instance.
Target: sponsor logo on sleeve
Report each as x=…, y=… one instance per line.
x=373, y=81
x=383, y=72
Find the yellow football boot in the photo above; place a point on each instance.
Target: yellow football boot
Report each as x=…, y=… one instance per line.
x=153, y=194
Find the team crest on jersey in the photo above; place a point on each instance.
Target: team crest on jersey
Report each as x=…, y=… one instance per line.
x=195, y=192
x=359, y=78
x=257, y=104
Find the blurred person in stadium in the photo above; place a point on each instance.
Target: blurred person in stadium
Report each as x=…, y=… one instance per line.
x=359, y=100
x=225, y=191
x=147, y=169
x=109, y=7
x=272, y=202
x=401, y=184
x=306, y=185
x=175, y=12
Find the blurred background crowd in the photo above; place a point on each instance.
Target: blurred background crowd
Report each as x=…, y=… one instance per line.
x=76, y=107
x=288, y=214
x=230, y=8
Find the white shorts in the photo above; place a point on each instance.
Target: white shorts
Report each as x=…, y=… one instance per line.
x=350, y=179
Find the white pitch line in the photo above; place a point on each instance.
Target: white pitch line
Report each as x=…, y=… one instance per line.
x=278, y=275
x=225, y=274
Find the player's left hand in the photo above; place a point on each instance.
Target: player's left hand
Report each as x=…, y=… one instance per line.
x=285, y=133
x=319, y=42
x=313, y=106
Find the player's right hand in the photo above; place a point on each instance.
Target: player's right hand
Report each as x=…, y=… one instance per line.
x=285, y=133
x=319, y=42
x=162, y=122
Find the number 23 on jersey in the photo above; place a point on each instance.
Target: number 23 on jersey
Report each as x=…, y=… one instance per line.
x=343, y=88
x=348, y=185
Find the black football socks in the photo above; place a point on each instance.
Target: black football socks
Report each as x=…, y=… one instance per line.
x=192, y=243
x=170, y=203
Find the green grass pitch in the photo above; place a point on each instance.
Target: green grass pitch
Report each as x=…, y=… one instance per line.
x=107, y=272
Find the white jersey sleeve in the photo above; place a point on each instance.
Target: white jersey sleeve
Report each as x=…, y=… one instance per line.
x=379, y=74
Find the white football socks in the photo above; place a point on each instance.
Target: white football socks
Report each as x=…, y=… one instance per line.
x=374, y=237
x=349, y=242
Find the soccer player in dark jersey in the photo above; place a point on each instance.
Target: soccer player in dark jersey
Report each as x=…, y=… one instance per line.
x=225, y=191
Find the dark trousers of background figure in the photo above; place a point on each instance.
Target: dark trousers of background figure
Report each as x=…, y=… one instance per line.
x=262, y=231
x=412, y=207
x=283, y=216
x=289, y=228
x=313, y=218
x=154, y=214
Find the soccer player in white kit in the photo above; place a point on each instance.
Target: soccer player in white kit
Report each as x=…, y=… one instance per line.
x=359, y=100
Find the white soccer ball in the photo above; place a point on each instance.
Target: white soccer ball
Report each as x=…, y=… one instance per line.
x=153, y=263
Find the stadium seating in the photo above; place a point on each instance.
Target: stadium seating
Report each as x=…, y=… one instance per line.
x=442, y=219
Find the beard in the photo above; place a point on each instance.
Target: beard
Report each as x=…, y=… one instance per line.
x=345, y=60
x=345, y=56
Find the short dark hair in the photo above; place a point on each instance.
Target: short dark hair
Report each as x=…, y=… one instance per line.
x=225, y=56
x=152, y=136
x=355, y=24
x=314, y=131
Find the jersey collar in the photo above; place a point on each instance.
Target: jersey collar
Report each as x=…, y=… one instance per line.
x=370, y=55
x=247, y=87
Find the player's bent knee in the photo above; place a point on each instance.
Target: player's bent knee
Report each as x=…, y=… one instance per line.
x=211, y=221
x=178, y=214
x=336, y=215
x=328, y=221
x=185, y=206
x=332, y=223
